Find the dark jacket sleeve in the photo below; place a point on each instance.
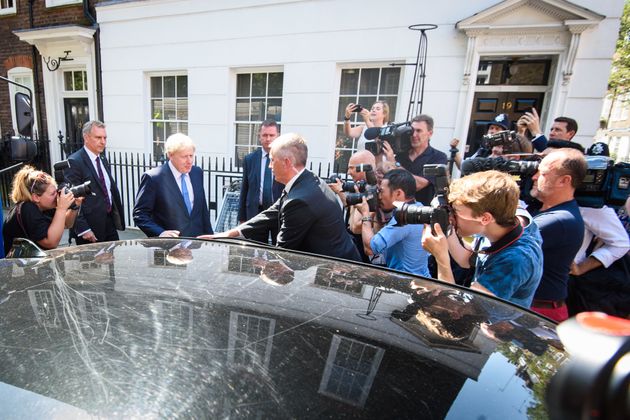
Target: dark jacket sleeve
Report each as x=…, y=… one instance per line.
x=242, y=200
x=262, y=222
x=296, y=224
x=76, y=175
x=143, y=210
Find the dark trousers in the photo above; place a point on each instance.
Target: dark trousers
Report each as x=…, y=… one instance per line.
x=111, y=234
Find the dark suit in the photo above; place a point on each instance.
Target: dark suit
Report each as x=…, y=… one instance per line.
x=249, y=199
x=309, y=219
x=160, y=205
x=93, y=214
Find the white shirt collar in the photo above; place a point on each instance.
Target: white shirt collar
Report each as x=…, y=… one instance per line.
x=289, y=184
x=91, y=155
x=175, y=172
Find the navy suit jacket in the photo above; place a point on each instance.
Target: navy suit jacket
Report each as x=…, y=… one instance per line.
x=160, y=205
x=250, y=187
x=93, y=211
x=309, y=218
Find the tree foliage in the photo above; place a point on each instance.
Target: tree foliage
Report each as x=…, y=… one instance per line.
x=619, y=82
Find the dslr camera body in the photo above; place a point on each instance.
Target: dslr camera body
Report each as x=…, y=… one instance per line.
x=81, y=190
x=437, y=212
x=367, y=188
x=397, y=135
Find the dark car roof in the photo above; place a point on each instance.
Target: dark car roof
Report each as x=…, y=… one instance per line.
x=206, y=329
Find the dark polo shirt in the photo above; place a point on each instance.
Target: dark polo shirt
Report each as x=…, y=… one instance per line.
x=428, y=157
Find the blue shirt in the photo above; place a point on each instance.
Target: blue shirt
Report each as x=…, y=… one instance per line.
x=514, y=272
x=404, y=247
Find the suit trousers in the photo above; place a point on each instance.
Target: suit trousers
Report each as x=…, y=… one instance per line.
x=111, y=234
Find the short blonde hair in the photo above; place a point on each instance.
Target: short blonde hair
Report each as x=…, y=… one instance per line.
x=178, y=141
x=490, y=191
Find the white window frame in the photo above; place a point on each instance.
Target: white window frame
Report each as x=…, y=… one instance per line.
x=84, y=73
x=364, y=66
x=148, y=98
x=9, y=10
x=12, y=74
x=57, y=3
x=251, y=70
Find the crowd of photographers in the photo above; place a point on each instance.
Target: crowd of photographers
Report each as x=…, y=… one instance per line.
x=510, y=226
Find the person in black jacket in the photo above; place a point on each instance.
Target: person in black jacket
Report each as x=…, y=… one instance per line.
x=308, y=215
x=40, y=213
x=102, y=213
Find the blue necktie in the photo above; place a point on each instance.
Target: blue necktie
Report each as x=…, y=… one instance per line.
x=267, y=199
x=185, y=194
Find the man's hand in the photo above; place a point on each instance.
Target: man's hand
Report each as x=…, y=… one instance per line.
x=89, y=236
x=389, y=152
x=336, y=187
x=169, y=234
x=454, y=143
x=533, y=122
x=437, y=245
x=363, y=207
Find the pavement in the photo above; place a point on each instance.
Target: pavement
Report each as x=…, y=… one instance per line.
x=128, y=233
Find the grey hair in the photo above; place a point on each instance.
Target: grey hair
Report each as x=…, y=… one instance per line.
x=293, y=146
x=87, y=127
x=178, y=141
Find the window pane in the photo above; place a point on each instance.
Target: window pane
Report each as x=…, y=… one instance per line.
x=183, y=128
x=274, y=109
x=156, y=87
x=258, y=110
x=242, y=85
x=158, y=138
x=171, y=128
x=169, y=86
x=349, y=81
x=242, y=134
x=341, y=160
x=242, y=110
x=78, y=80
x=169, y=109
x=259, y=84
x=369, y=81
x=85, y=80
x=157, y=109
x=182, y=86
x=241, y=152
x=389, y=81
x=275, y=84
x=67, y=78
x=182, y=109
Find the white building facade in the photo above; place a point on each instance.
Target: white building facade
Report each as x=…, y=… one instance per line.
x=216, y=69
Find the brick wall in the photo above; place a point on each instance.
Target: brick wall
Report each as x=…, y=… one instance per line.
x=15, y=53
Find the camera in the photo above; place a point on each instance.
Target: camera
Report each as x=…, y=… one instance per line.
x=502, y=138
x=437, y=212
x=367, y=188
x=357, y=108
x=81, y=190
x=521, y=170
x=605, y=183
x=397, y=135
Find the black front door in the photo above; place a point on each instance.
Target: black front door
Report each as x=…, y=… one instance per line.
x=487, y=105
x=77, y=113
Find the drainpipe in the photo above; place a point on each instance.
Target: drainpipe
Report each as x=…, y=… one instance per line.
x=36, y=87
x=97, y=58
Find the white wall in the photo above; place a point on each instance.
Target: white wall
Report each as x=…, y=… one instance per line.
x=309, y=40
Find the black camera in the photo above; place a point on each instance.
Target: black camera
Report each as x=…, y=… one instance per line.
x=81, y=190
x=348, y=186
x=357, y=108
x=521, y=170
x=502, y=138
x=437, y=212
x=367, y=188
x=397, y=135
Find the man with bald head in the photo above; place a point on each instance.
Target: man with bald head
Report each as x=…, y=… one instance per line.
x=307, y=213
x=353, y=216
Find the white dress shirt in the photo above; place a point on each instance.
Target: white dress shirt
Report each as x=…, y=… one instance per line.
x=604, y=224
x=178, y=179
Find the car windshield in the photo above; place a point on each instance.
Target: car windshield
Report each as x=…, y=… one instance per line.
x=190, y=328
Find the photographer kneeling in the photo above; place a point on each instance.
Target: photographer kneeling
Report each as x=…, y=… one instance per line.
x=400, y=244
x=40, y=213
x=508, y=261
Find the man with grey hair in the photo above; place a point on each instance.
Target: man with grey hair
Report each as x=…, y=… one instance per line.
x=307, y=213
x=102, y=213
x=171, y=200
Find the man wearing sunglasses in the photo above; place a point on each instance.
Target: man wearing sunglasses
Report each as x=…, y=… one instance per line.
x=506, y=256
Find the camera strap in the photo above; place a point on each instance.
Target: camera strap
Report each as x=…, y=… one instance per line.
x=507, y=240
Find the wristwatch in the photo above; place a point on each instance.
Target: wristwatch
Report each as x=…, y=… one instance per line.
x=367, y=219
